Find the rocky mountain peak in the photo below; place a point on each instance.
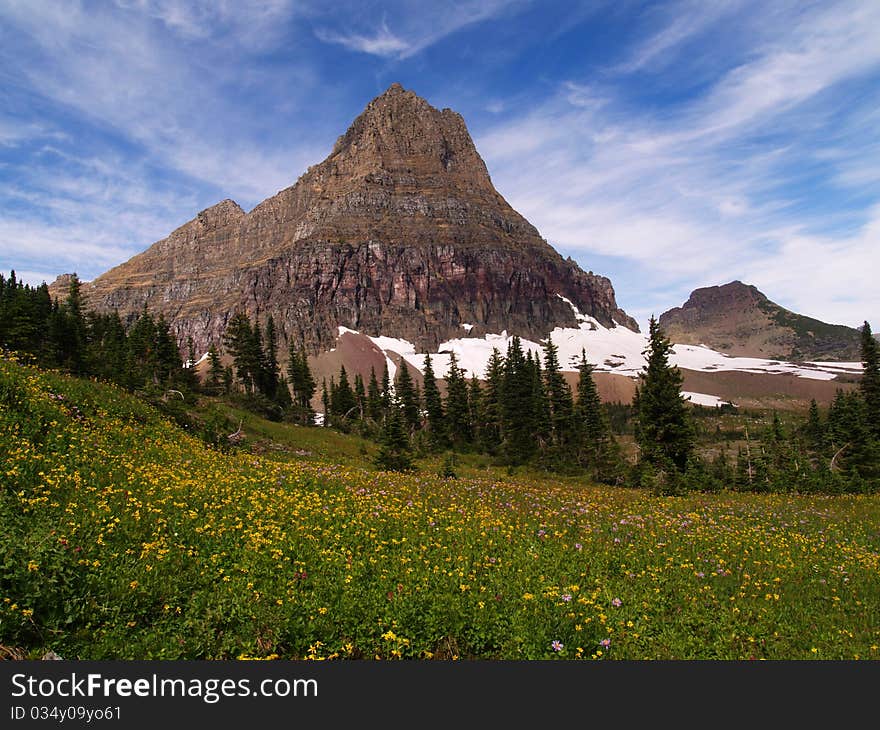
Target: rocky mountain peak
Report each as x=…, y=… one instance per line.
x=401, y=139
x=398, y=232
x=738, y=319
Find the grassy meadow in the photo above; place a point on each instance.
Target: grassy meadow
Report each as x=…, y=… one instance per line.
x=123, y=536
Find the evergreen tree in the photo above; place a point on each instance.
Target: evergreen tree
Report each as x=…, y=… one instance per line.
x=558, y=398
x=595, y=444
x=303, y=385
x=490, y=427
x=406, y=396
x=386, y=389
x=815, y=431
x=325, y=402
x=167, y=352
x=239, y=340
x=272, y=369
x=458, y=420
x=475, y=407
x=141, y=358
x=394, y=450
x=71, y=329
x=374, y=398
x=435, y=418
x=539, y=413
x=517, y=406
x=664, y=432
x=360, y=396
x=870, y=382
x=214, y=380
x=343, y=402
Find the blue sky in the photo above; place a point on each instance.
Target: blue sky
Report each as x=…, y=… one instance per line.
x=667, y=145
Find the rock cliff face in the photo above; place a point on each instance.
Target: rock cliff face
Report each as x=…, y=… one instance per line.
x=737, y=319
x=399, y=232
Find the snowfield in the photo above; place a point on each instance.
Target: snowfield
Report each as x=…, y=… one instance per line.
x=614, y=350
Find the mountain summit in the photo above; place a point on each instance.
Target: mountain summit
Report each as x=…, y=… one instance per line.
x=737, y=319
x=399, y=232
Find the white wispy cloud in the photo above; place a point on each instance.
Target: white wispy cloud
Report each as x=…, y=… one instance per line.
x=382, y=42
x=711, y=189
x=407, y=28
x=681, y=22
x=151, y=130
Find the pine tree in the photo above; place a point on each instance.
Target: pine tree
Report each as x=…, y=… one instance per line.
x=374, y=398
x=490, y=428
x=239, y=341
x=870, y=382
x=517, y=406
x=343, y=403
x=167, y=352
x=214, y=381
x=559, y=399
x=435, y=418
x=593, y=432
x=456, y=407
x=325, y=402
x=394, y=450
x=664, y=432
x=475, y=407
x=386, y=389
x=406, y=396
x=539, y=415
x=272, y=369
x=303, y=385
x=815, y=430
x=360, y=396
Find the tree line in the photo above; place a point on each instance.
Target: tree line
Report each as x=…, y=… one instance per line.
x=522, y=411
x=137, y=354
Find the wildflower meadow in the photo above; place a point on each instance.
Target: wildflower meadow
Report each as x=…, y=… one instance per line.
x=123, y=536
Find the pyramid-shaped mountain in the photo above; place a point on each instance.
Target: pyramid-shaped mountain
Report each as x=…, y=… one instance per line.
x=399, y=232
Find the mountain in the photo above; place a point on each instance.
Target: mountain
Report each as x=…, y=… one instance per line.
x=399, y=232
x=737, y=319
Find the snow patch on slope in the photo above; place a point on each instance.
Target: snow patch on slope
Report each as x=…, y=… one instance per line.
x=704, y=399
x=615, y=350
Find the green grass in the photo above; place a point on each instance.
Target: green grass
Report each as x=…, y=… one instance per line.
x=126, y=537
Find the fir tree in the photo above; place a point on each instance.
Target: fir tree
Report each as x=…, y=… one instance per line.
x=239, y=340
x=342, y=401
x=664, y=432
x=360, y=396
x=272, y=369
x=325, y=402
x=475, y=406
x=406, y=396
x=539, y=412
x=517, y=406
x=435, y=419
x=815, y=430
x=870, y=382
x=394, y=450
x=167, y=352
x=457, y=410
x=214, y=381
x=386, y=389
x=593, y=432
x=302, y=384
x=559, y=399
x=490, y=427
x=374, y=398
